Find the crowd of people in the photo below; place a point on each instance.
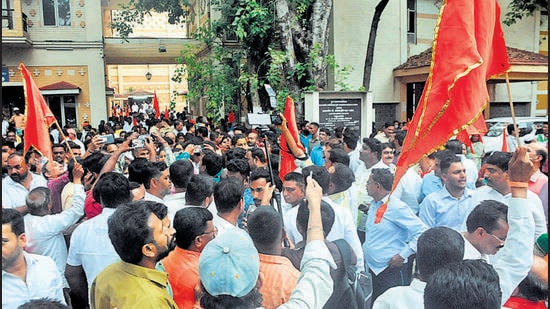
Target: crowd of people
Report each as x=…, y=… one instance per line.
x=179, y=212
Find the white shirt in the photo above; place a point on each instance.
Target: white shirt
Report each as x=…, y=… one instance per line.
x=91, y=246
x=471, y=172
x=14, y=194
x=153, y=198
x=223, y=225
x=174, y=202
x=408, y=189
x=45, y=233
x=43, y=281
x=410, y=297
x=533, y=202
x=343, y=228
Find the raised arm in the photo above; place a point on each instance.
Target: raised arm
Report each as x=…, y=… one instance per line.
x=514, y=260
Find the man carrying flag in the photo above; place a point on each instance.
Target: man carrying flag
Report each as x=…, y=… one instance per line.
x=39, y=118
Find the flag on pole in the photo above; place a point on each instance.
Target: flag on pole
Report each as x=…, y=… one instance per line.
x=505, y=147
x=468, y=49
x=39, y=117
x=287, y=163
x=166, y=114
x=156, y=106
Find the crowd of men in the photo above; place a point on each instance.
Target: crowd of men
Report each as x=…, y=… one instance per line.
x=180, y=213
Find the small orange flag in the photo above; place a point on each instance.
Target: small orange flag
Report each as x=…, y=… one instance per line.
x=504, y=141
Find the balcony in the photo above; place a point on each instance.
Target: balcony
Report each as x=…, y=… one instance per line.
x=14, y=29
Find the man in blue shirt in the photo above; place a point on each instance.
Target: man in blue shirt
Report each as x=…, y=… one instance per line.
x=451, y=205
x=392, y=230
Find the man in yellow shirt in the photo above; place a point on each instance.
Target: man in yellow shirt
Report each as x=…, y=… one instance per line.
x=141, y=235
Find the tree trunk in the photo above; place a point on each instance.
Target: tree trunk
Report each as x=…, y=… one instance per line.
x=254, y=95
x=320, y=31
x=288, y=33
x=369, y=58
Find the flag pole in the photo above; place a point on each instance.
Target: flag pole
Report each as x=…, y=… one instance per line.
x=508, y=89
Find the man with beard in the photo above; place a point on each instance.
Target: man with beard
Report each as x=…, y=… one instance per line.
x=25, y=276
x=19, y=183
x=142, y=236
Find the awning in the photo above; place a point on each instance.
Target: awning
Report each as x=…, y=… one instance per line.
x=60, y=88
x=525, y=66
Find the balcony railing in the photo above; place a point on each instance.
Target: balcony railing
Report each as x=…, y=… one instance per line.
x=8, y=19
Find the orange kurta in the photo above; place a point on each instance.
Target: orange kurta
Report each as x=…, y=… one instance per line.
x=279, y=279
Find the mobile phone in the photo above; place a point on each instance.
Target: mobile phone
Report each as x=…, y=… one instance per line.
x=107, y=139
x=138, y=143
x=198, y=149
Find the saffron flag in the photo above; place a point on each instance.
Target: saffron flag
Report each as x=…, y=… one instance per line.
x=39, y=117
x=166, y=114
x=505, y=141
x=468, y=49
x=287, y=163
x=156, y=106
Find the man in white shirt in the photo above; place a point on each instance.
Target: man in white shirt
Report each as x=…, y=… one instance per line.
x=436, y=247
x=180, y=173
x=91, y=249
x=228, y=196
x=512, y=241
x=25, y=276
x=19, y=182
x=156, y=180
x=499, y=188
x=343, y=228
x=45, y=230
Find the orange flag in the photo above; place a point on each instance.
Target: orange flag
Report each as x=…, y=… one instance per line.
x=504, y=141
x=287, y=163
x=166, y=114
x=156, y=106
x=39, y=117
x=468, y=49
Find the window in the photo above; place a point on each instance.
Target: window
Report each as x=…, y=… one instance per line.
x=411, y=21
x=64, y=108
x=56, y=12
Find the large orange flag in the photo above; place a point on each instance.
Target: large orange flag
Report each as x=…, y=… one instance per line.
x=39, y=117
x=287, y=163
x=156, y=106
x=468, y=49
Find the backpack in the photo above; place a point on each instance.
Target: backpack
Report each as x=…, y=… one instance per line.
x=359, y=284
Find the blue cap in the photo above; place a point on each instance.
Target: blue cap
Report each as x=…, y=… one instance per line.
x=229, y=264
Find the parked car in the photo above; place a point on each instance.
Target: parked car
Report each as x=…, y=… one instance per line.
x=495, y=126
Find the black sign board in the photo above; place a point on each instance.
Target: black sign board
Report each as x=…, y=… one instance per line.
x=340, y=112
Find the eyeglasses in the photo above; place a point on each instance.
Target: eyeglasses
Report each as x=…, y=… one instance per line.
x=289, y=189
x=497, y=238
x=258, y=190
x=215, y=231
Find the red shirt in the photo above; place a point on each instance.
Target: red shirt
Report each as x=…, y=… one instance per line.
x=91, y=207
x=515, y=302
